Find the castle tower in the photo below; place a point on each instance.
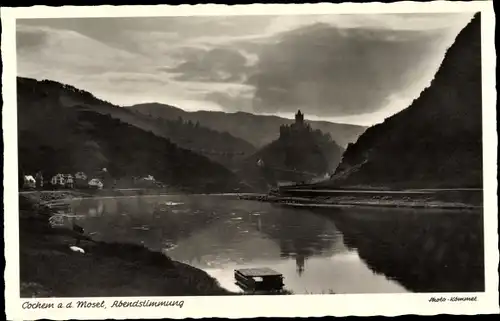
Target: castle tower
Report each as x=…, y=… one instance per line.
x=300, y=261
x=299, y=118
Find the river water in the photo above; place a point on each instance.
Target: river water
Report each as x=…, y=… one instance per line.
x=318, y=251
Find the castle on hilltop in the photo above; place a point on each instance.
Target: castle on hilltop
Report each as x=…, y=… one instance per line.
x=298, y=127
x=299, y=118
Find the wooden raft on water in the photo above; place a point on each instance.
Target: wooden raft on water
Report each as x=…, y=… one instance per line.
x=259, y=279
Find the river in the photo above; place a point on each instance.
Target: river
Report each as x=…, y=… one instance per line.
x=317, y=251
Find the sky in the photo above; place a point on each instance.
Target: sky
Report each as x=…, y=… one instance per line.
x=356, y=69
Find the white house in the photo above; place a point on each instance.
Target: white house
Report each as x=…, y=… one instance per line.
x=146, y=181
x=96, y=183
x=58, y=180
x=68, y=181
x=29, y=181
x=149, y=178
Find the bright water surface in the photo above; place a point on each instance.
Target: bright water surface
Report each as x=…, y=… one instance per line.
x=317, y=251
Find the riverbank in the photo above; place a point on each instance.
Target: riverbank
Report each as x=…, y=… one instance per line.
x=429, y=200
x=383, y=198
x=88, y=193
x=50, y=269
x=48, y=195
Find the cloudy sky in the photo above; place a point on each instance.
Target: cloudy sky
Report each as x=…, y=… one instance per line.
x=355, y=69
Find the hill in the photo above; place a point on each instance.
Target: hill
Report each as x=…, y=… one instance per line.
x=300, y=154
x=221, y=147
x=218, y=146
x=63, y=129
x=259, y=130
x=435, y=142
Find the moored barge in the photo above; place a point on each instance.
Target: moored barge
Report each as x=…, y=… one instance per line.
x=259, y=279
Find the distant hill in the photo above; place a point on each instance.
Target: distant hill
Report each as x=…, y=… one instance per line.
x=218, y=146
x=221, y=147
x=259, y=130
x=300, y=154
x=437, y=141
x=63, y=129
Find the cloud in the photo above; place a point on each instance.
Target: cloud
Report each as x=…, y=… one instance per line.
x=360, y=68
x=70, y=51
x=238, y=99
x=330, y=71
x=218, y=65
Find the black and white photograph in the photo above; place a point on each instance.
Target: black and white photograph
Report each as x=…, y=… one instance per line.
x=249, y=155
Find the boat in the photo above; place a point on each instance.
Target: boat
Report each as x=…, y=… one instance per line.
x=259, y=279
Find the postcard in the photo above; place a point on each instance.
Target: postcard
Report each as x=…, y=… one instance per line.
x=264, y=160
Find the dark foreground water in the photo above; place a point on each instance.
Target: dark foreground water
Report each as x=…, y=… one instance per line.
x=318, y=251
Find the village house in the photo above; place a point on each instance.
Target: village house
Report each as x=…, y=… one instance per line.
x=68, y=181
x=146, y=181
x=96, y=183
x=29, y=181
x=81, y=175
x=58, y=180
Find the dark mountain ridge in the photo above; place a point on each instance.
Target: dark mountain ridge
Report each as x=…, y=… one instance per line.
x=63, y=129
x=300, y=154
x=437, y=141
x=259, y=130
x=221, y=147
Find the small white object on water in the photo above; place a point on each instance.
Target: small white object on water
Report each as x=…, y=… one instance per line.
x=77, y=249
x=169, y=203
x=143, y=228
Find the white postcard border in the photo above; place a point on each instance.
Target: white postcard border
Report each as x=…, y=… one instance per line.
x=253, y=306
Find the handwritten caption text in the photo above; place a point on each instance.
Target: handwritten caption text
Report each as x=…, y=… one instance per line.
x=82, y=304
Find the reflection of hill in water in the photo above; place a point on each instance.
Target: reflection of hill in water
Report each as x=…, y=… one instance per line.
x=270, y=233
x=145, y=220
x=301, y=234
x=212, y=231
x=426, y=251
x=220, y=243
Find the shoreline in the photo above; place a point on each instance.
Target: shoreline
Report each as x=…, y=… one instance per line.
x=106, y=268
x=76, y=194
x=50, y=269
x=360, y=201
x=398, y=199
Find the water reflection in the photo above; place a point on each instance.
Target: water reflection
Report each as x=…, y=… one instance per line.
x=426, y=251
x=93, y=207
x=300, y=260
x=259, y=232
x=317, y=251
